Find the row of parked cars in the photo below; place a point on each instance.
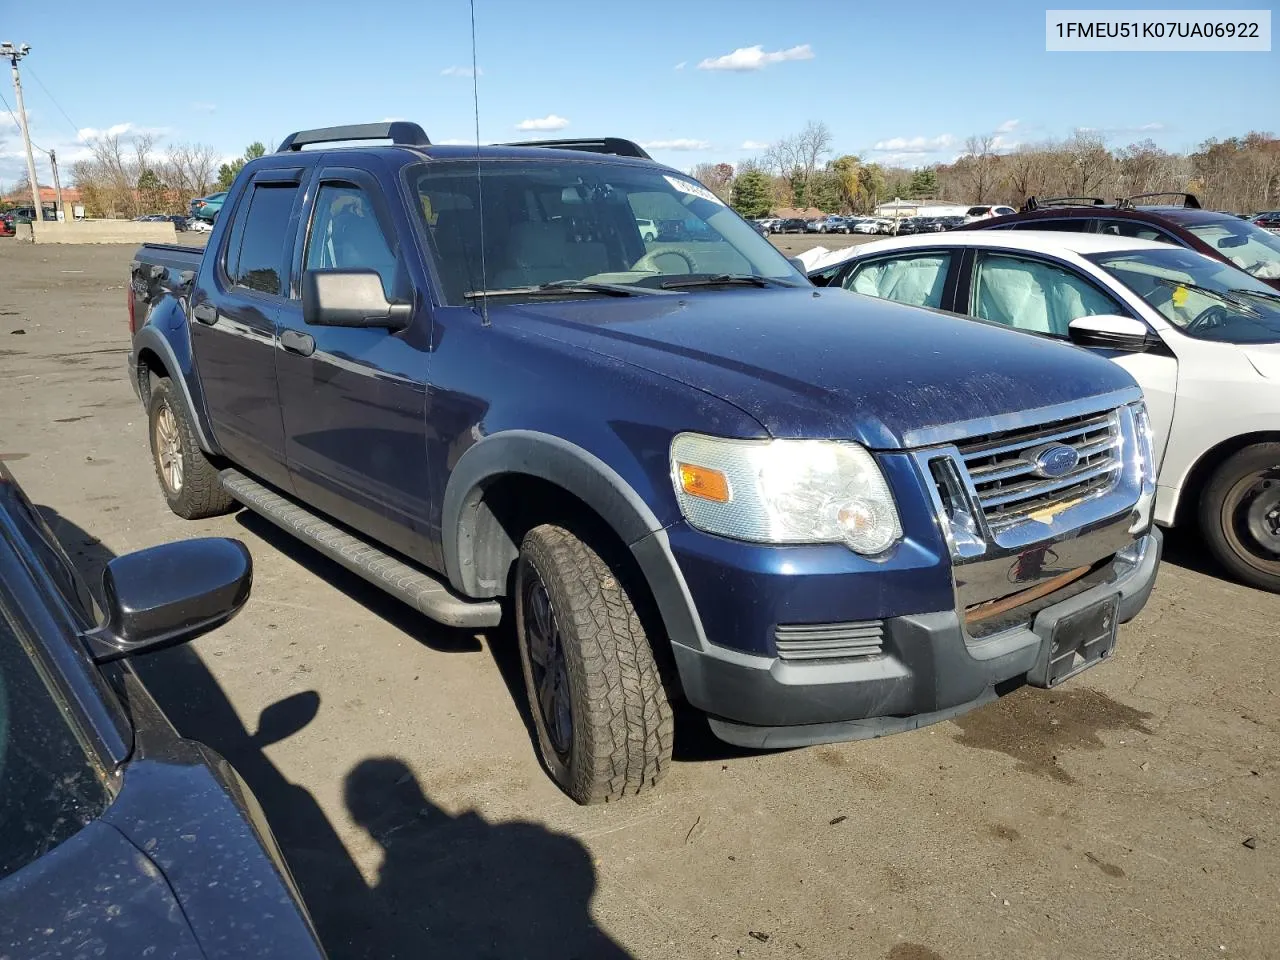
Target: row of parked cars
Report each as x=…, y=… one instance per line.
x=610, y=440
x=180, y=223
x=896, y=226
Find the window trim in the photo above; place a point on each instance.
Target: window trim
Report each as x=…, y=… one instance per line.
x=1047, y=260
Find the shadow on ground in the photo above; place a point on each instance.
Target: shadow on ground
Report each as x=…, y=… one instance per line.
x=449, y=885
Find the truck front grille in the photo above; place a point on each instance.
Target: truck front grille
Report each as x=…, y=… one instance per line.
x=829, y=641
x=1011, y=487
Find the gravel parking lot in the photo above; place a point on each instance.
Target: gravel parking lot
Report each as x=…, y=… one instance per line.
x=1130, y=813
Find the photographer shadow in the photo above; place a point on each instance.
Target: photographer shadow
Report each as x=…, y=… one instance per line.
x=449, y=886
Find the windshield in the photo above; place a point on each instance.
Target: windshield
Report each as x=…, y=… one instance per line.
x=1249, y=247
x=1203, y=297
x=565, y=221
x=50, y=786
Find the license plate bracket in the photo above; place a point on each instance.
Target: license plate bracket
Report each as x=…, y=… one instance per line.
x=1079, y=640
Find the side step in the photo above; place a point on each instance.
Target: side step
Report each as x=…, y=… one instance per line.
x=405, y=582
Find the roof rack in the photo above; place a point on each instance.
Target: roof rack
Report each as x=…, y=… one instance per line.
x=1189, y=200
x=611, y=145
x=399, y=132
x=1035, y=203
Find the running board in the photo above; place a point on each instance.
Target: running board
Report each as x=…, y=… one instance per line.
x=411, y=584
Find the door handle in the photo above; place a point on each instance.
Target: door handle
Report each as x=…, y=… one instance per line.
x=295, y=341
x=205, y=313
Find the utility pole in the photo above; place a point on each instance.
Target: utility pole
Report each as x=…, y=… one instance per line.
x=57, y=185
x=14, y=54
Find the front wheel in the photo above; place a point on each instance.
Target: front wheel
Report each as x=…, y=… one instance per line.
x=1240, y=515
x=603, y=721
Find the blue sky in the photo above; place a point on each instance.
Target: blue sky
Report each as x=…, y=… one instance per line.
x=896, y=82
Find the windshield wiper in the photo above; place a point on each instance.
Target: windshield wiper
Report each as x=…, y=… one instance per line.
x=1260, y=294
x=722, y=279
x=1231, y=299
x=562, y=286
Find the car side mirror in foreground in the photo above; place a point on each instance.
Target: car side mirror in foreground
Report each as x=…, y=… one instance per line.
x=169, y=594
x=1111, y=332
x=350, y=298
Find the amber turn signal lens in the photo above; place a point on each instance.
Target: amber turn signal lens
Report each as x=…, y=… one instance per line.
x=704, y=482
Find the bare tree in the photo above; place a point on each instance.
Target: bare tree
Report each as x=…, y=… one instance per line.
x=1026, y=170
x=190, y=169
x=1091, y=162
x=980, y=162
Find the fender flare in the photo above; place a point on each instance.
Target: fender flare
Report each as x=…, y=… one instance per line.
x=149, y=338
x=591, y=480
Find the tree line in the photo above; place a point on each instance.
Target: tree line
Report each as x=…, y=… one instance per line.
x=128, y=176
x=1241, y=174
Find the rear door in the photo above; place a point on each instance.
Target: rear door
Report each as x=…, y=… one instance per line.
x=234, y=328
x=354, y=399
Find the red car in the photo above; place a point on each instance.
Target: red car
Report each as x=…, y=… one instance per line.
x=6, y=225
x=1242, y=243
x=1268, y=221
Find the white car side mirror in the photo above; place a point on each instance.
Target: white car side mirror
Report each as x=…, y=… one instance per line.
x=1110, y=331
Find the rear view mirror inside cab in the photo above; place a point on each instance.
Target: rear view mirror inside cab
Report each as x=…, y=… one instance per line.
x=1226, y=243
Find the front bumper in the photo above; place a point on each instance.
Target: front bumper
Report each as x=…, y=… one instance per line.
x=930, y=670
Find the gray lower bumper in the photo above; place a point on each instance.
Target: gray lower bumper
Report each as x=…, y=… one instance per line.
x=930, y=672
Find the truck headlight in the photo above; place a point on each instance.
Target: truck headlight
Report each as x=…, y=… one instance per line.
x=1145, y=455
x=785, y=491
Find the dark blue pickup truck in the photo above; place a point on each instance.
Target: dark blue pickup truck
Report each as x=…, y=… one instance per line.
x=679, y=468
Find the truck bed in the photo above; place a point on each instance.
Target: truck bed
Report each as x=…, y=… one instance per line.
x=174, y=256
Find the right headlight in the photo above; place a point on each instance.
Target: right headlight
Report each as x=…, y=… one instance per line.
x=785, y=491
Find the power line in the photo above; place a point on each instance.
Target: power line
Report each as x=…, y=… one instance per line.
x=54, y=101
x=19, y=125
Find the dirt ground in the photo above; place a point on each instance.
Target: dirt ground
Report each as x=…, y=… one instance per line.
x=1108, y=818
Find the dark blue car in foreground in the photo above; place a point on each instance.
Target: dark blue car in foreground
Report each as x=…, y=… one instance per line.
x=474, y=377
x=119, y=839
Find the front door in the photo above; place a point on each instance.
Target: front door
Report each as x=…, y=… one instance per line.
x=234, y=327
x=354, y=399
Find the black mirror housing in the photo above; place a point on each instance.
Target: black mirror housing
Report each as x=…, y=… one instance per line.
x=350, y=298
x=166, y=595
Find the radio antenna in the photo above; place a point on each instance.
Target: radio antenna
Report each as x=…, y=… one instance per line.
x=475, y=95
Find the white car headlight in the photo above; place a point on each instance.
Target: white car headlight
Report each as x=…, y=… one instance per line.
x=785, y=491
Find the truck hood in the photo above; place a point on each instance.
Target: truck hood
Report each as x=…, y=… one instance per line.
x=830, y=364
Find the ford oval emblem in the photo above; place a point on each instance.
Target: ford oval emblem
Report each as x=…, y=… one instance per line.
x=1055, y=460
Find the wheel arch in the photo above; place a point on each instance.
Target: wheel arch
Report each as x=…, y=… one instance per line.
x=544, y=473
x=1193, y=484
x=155, y=354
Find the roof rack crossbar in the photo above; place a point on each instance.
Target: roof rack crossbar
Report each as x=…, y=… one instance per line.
x=1035, y=203
x=1189, y=200
x=611, y=145
x=399, y=132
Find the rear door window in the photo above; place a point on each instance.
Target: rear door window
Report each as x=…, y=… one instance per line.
x=1062, y=224
x=1134, y=228
x=257, y=247
x=918, y=279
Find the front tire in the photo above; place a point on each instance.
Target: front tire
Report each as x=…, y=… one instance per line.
x=1240, y=515
x=188, y=480
x=604, y=724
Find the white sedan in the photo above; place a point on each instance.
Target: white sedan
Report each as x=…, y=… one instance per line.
x=1201, y=337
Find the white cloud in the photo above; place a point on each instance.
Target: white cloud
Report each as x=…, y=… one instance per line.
x=682, y=143
x=115, y=130
x=203, y=106
x=754, y=58
x=910, y=145
x=682, y=64
x=461, y=72
x=1008, y=126
x=754, y=145
x=549, y=122
x=1003, y=144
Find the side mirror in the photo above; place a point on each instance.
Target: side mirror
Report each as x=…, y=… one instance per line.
x=350, y=298
x=798, y=264
x=1111, y=332
x=169, y=594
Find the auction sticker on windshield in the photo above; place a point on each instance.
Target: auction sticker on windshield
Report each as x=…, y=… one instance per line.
x=693, y=189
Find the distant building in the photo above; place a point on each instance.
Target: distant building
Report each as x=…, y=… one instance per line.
x=921, y=208
x=21, y=196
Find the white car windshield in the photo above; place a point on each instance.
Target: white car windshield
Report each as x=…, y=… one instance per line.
x=1202, y=297
x=1249, y=247
x=564, y=228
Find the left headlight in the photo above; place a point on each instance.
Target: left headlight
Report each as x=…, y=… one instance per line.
x=785, y=491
